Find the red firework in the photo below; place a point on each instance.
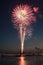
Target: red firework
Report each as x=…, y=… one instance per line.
x=23, y=14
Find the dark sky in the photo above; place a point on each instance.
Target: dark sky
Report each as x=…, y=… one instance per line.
x=9, y=36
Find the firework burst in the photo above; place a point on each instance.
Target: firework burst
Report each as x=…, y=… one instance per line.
x=22, y=16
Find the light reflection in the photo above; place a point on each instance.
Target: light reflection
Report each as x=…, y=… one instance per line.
x=22, y=61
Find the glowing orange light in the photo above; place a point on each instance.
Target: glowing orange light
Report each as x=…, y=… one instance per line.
x=22, y=61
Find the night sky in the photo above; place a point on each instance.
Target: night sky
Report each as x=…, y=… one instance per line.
x=9, y=36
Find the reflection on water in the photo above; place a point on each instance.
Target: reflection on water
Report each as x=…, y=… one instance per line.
x=22, y=61
x=27, y=60
x=32, y=60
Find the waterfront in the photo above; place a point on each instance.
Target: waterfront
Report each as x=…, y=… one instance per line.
x=27, y=60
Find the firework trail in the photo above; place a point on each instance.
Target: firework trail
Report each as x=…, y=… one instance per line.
x=23, y=38
x=22, y=16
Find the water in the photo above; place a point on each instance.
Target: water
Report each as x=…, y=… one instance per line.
x=28, y=60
